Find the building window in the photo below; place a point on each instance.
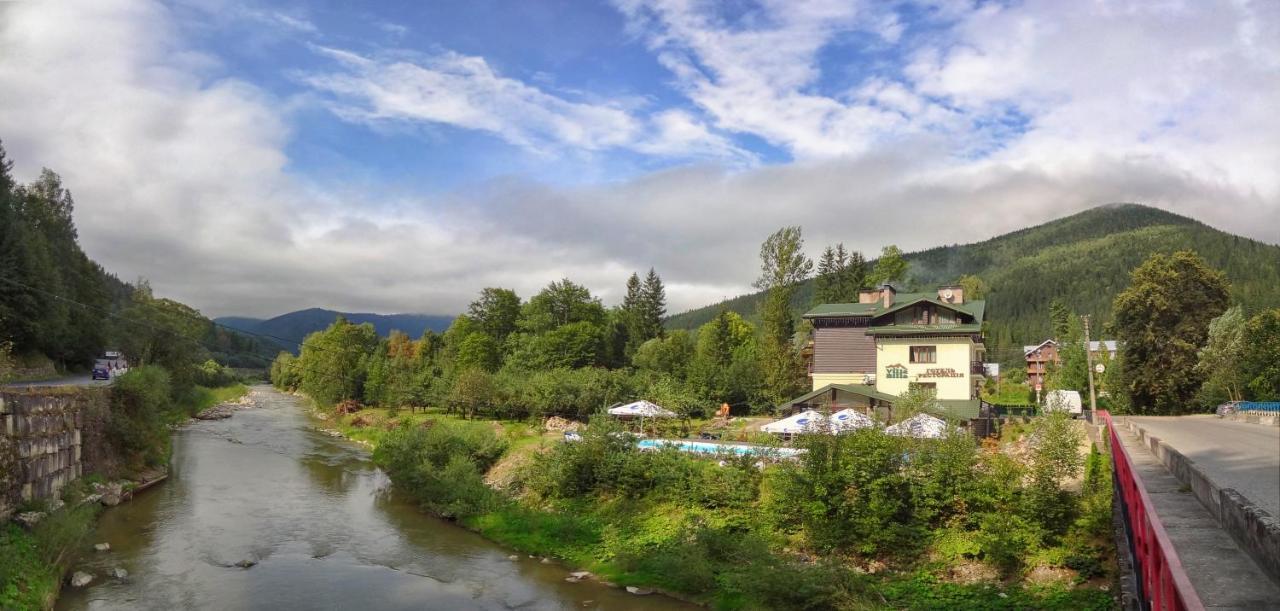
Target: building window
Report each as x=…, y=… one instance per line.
x=924, y=354
x=929, y=386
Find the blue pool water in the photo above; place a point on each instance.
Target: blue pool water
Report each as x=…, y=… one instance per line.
x=713, y=448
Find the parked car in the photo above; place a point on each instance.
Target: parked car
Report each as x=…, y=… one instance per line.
x=1228, y=408
x=101, y=373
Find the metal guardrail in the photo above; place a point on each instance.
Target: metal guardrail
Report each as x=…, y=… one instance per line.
x=1271, y=407
x=1162, y=582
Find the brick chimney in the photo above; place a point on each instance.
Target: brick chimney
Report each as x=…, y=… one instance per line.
x=956, y=291
x=868, y=295
x=886, y=294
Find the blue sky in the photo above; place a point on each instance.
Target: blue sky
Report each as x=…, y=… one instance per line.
x=260, y=157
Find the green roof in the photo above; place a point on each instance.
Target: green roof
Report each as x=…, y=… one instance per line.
x=960, y=410
x=835, y=310
x=976, y=308
x=854, y=389
x=950, y=408
x=923, y=329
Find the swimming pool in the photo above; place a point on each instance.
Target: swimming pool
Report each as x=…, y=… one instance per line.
x=702, y=447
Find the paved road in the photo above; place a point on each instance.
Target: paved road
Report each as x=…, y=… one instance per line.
x=78, y=380
x=1233, y=454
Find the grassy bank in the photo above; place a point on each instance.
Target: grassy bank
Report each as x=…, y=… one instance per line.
x=201, y=398
x=32, y=562
x=955, y=528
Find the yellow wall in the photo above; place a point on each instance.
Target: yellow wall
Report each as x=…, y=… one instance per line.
x=822, y=379
x=953, y=352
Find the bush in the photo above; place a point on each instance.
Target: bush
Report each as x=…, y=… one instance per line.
x=442, y=466
x=850, y=491
x=139, y=414
x=212, y=375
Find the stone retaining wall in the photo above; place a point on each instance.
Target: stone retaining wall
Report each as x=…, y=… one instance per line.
x=1256, y=530
x=49, y=438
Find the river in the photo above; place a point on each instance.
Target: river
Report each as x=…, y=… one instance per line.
x=323, y=526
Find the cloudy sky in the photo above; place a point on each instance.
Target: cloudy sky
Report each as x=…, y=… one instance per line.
x=259, y=157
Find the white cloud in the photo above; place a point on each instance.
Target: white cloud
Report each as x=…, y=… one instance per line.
x=465, y=91
x=180, y=172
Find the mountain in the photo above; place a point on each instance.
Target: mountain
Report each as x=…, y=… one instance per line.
x=290, y=329
x=1085, y=259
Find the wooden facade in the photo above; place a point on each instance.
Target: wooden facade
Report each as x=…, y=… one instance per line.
x=843, y=346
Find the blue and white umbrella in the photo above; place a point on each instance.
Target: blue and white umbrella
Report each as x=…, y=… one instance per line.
x=806, y=421
x=850, y=420
x=642, y=409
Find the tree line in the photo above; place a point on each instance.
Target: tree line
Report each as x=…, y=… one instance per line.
x=57, y=303
x=563, y=352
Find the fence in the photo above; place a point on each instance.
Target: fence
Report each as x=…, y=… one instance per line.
x=1272, y=407
x=1162, y=582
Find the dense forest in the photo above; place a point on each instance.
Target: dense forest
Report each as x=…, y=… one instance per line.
x=288, y=330
x=58, y=304
x=1083, y=260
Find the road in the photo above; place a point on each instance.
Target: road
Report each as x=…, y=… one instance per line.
x=1233, y=454
x=76, y=380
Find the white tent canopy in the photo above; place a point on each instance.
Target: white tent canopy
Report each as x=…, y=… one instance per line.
x=806, y=421
x=850, y=420
x=642, y=409
x=921, y=426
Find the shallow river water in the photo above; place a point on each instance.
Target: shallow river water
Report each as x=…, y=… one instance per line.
x=322, y=524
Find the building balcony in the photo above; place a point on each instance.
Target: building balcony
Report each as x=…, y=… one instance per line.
x=976, y=368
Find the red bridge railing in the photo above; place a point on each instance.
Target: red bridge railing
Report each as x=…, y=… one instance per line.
x=1162, y=580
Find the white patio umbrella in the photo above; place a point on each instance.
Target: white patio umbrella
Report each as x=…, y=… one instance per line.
x=642, y=409
x=850, y=420
x=806, y=421
x=920, y=426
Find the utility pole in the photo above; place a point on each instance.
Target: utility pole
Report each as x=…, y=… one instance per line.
x=1088, y=359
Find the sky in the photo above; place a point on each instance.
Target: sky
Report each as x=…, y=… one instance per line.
x=254, y=158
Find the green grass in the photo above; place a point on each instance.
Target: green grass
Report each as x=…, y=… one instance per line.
x=31, y=563
x=29, y=581
x=201, y=398
x=924, y=592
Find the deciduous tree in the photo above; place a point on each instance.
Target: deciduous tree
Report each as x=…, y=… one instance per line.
x=1163, y=320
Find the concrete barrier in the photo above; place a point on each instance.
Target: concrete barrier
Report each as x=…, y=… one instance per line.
x=1253, y=528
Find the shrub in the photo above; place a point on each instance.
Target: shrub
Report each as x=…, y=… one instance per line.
x=1007, y=539
x=213, y=375
x=139, y=413
x=850, y=491
x=442, y=466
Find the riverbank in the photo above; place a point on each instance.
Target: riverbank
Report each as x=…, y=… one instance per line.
x=41, y=545
x=705, y=536
x=263, y=511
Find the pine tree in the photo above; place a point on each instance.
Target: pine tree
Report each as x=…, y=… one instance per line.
x=1059, y=318
x=631, y=315
x=653, y=305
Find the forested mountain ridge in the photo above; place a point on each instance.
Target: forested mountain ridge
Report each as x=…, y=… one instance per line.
x=291, y=329
x=1084, y=259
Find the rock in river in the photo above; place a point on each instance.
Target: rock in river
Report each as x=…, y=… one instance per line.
x=639, y=591
x=81, y=579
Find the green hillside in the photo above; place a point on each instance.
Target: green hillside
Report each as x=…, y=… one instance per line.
x=1085, y=259
x=289, y=330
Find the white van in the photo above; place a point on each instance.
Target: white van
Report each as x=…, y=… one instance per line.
x=1064, y=399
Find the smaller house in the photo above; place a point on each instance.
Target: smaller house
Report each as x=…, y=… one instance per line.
x=1041, y=355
